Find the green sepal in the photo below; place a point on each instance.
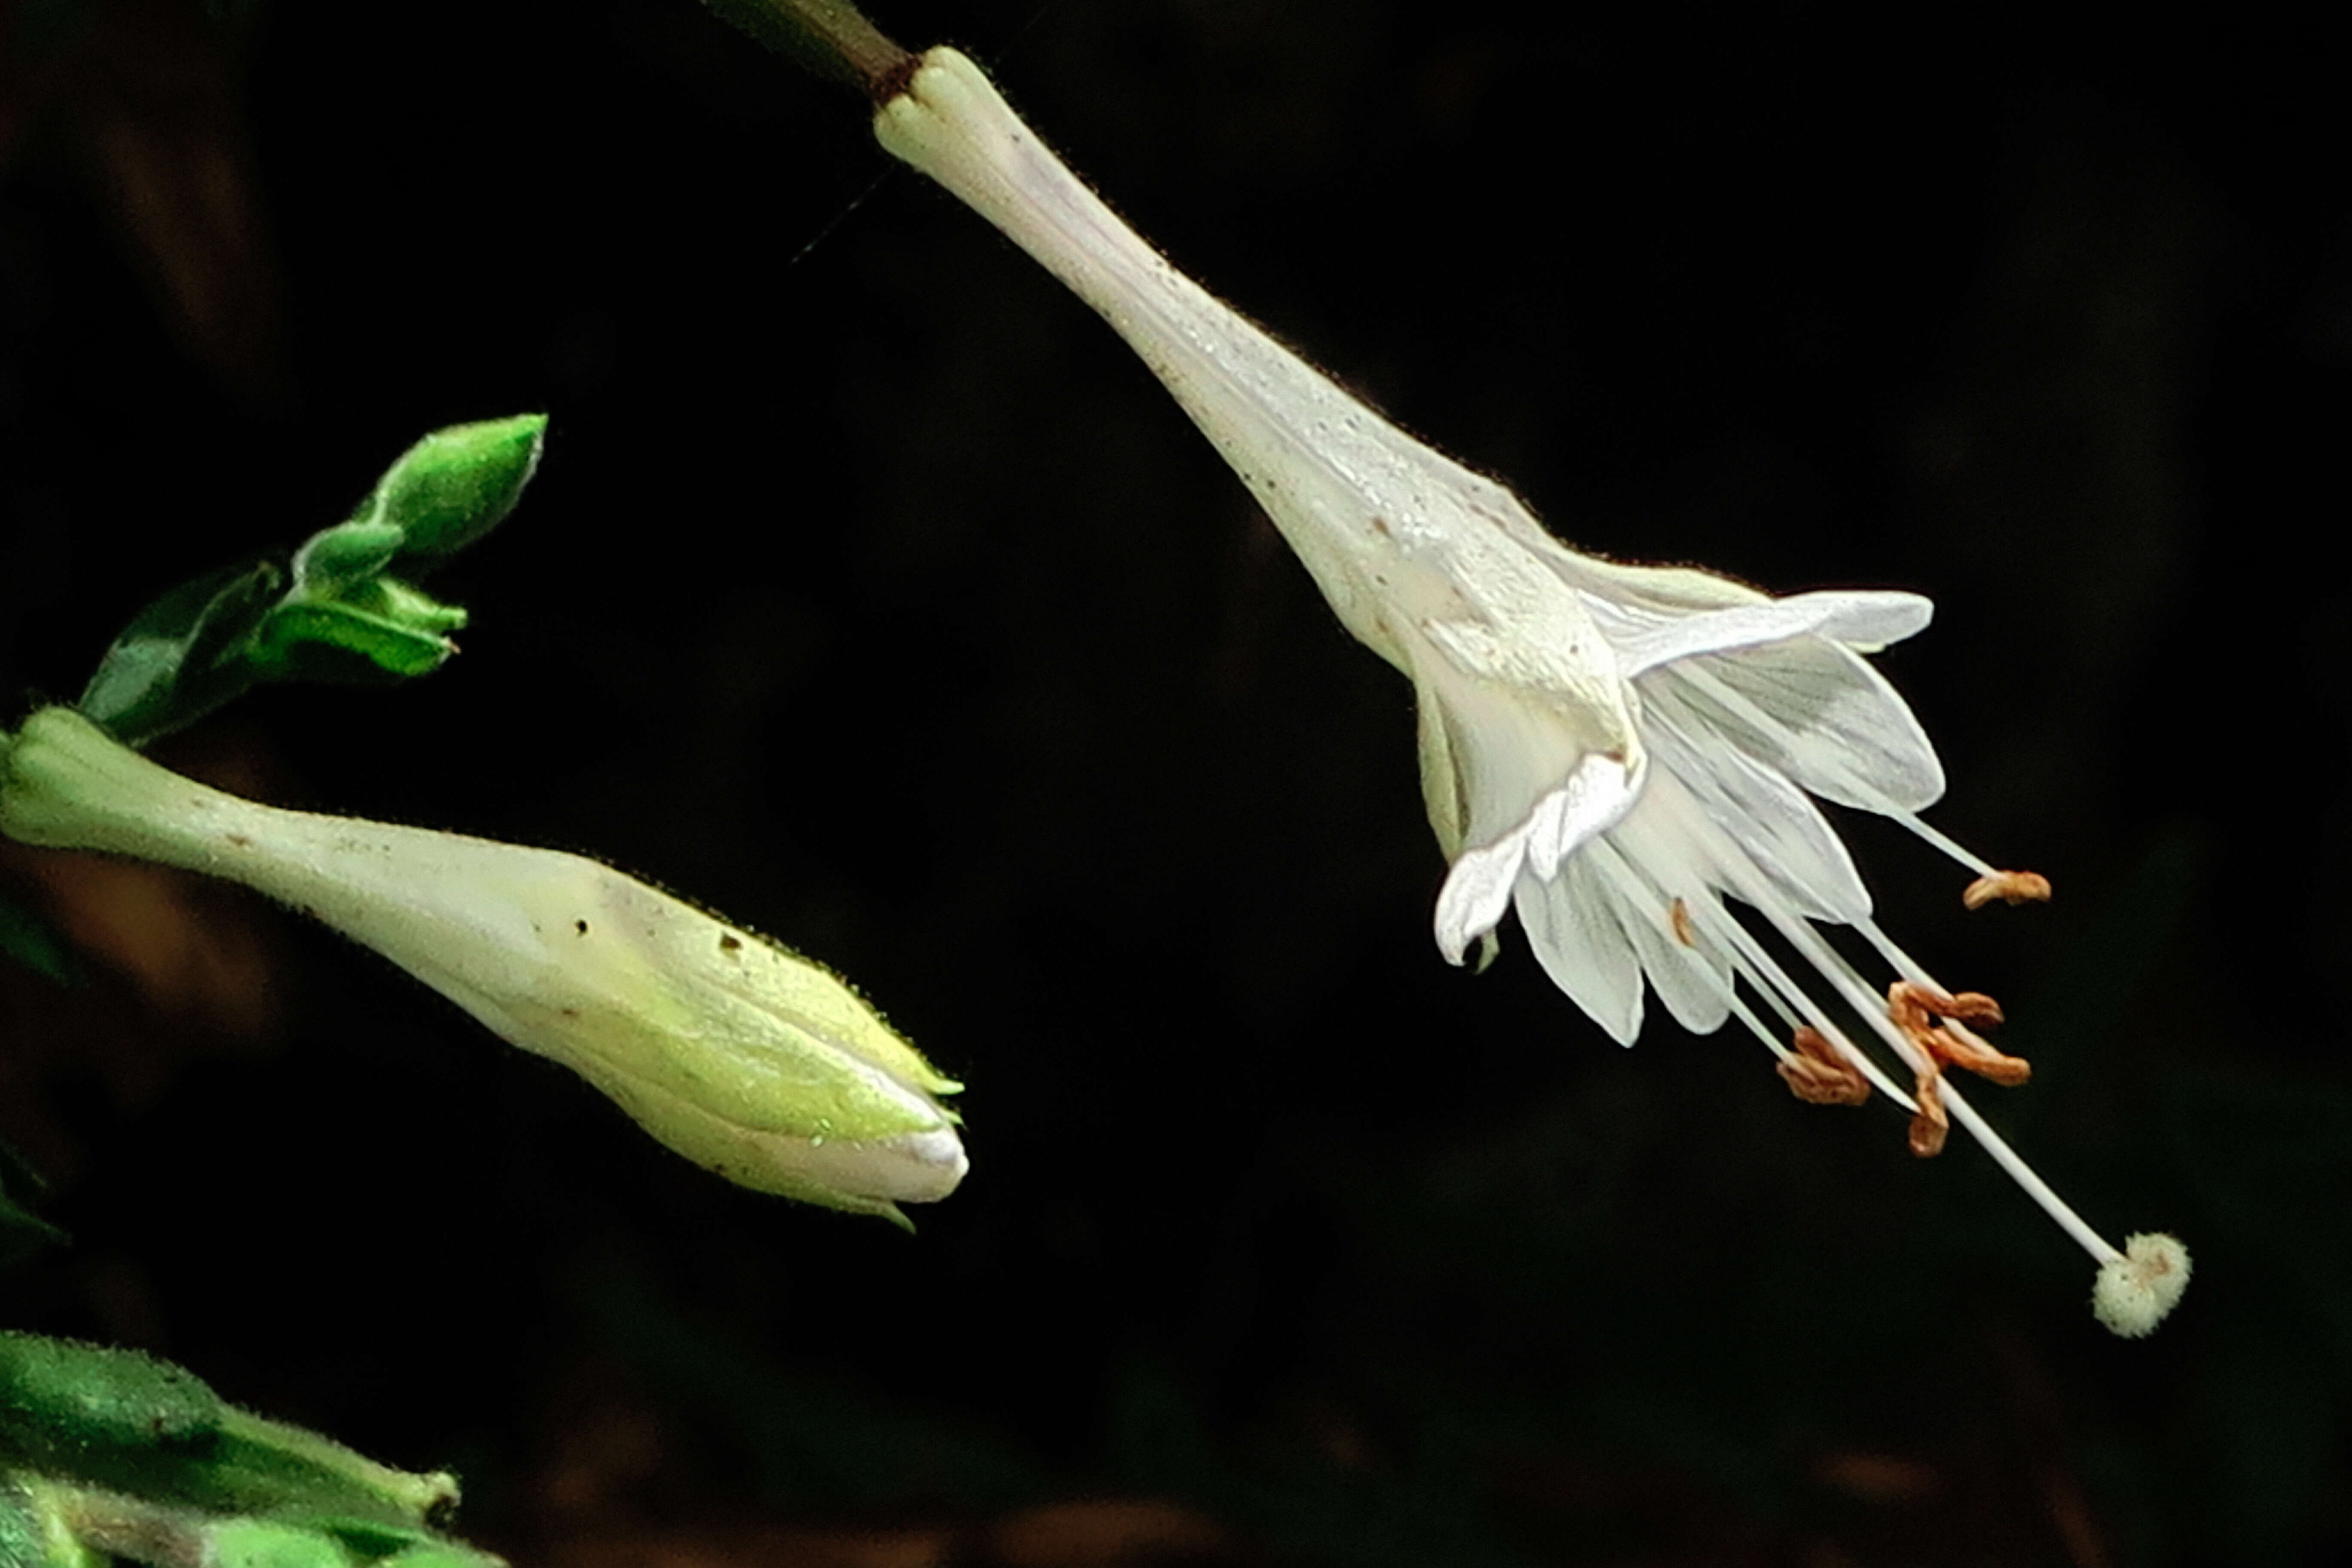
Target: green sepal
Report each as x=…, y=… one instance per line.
x=334, y=641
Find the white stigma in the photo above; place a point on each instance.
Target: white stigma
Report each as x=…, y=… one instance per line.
x=2139, y=1289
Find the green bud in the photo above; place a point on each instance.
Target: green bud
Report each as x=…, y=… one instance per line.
x=744, y=1058
x=454, y=485
x=59, y=1397
x=340, y=617
x=265, y=1543
x=258, y=1465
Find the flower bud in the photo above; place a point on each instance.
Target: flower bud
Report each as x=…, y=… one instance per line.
x=747, y=1059
x=456, y=484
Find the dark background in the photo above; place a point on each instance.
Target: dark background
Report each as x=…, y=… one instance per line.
x=872, y=593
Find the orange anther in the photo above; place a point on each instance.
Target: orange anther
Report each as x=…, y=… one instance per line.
x=1938, y=1026
x=1969, y=1007
x=1973, y=1008
x=1907, y=1005
x=1964, y=1047
x=1819, y=1075
x=2009, y=888
x=1929, y=1125
x=1678, y=917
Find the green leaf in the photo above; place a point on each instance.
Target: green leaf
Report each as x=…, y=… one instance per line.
x=178, y=660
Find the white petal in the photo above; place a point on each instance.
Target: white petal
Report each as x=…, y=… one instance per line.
x=1577, y=937
x=1818, y=713
x=1693, y=982
x=1657, y=590
x=1766, y=816
x=1874, y=618
x=1477, y=892
x=1596, y=794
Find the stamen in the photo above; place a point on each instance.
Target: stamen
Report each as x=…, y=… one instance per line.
x=1971, y=1006
x=1678, y=917
x=1901, y=962
x=1929, y=1126
x=1818, y=1075
x=1784, y=993
x=1932, y=1020
x=2009, y=887
x=1944, y=841
x=1741, y=1011
x=1794, y=1005
x=1719, y=924
x=1964, y=1047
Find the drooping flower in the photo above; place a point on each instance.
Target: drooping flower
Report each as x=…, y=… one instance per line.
x=748, y=1060
x=1617, y=752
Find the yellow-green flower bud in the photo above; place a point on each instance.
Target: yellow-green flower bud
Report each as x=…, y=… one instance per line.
x=744, y=1058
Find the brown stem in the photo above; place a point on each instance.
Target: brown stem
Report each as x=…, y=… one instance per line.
x=841, y=32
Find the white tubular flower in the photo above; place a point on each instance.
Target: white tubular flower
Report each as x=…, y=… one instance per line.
x=745, y=1058
x=1612, y=749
